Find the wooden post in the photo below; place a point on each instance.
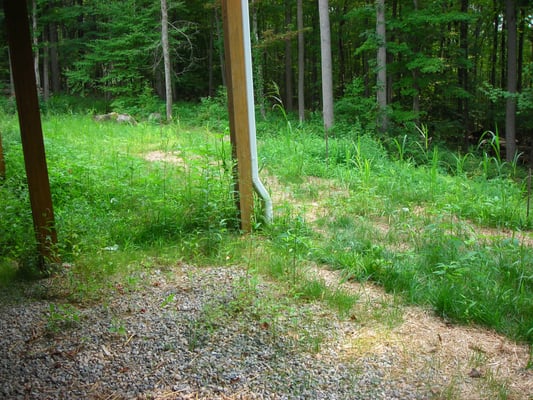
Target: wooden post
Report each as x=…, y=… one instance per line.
x=18, y=32
x=238, y=107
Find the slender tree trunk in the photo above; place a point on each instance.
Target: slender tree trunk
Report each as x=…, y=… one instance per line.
x=416, y=86
x=416, y=96
x=288, y=59
x=220, y=48
x=327, y=68
x=521, y=30
x=503, y=72
x=462, y=73
x=342, y=57
x=35, y=40
x=166, y=58
x=390, y=57
x=301, y=61
x=258, y=65
x=46, y=71
x=210, y=90
x=54, y=59
x=314, y=63
x=494, y=50
x=381, y=66
x=510, y=109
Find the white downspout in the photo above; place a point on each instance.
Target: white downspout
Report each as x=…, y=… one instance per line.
x=258, y=185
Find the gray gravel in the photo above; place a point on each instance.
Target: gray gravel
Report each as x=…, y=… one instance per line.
x=202, y=334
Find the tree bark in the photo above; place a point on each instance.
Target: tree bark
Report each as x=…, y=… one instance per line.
x=54, y=59
x=510, y=108
x=301, y=61
x=327, y=69
x=381, y=66
x=166, y=59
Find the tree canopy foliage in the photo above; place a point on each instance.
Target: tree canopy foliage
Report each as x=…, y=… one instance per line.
x=446, y=60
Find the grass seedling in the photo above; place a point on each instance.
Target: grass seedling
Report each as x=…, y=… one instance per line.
x=62, y=316
x=117, y=327
x=400, y=147
x=168, y=300
x=426, y=143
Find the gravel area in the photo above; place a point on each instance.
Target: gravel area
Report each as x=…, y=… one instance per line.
x=189, y=333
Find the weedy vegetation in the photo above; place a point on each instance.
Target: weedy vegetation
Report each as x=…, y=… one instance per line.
x=438, y=228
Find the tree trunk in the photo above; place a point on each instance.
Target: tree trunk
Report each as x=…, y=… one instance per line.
x=381, y=66
x=416, y=97
x=521, y=30
x=288, y=59
x=210, y=89
x=494, y=50
x=258, y=64
x=462, y=73
x=46, y=71
x=301, y=61
x=54, y=59
x=390, y=57
x=503, y=54
x=220, y=48
x=510, y=109
x=35, y=40
x=166, y=58
x=342, y=57
x=327, y=69
x=416, y=86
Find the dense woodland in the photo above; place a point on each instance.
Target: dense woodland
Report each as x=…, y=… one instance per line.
x=459, y=67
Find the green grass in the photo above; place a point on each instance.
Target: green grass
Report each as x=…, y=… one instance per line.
x=431, y=250
x=407, y=216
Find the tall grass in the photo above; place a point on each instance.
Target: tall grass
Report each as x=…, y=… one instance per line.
x=122, y=187
x=431, y=250
x=407, y=215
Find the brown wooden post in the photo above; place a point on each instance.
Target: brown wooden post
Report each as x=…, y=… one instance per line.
x=238, y=107
x=18, y=32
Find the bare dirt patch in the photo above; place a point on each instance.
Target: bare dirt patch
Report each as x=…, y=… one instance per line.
x=466, y=362
x=169, y=157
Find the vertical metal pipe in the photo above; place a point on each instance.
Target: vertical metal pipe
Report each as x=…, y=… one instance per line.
x=258, y=185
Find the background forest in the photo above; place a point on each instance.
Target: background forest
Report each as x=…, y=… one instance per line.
x=449, y=64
